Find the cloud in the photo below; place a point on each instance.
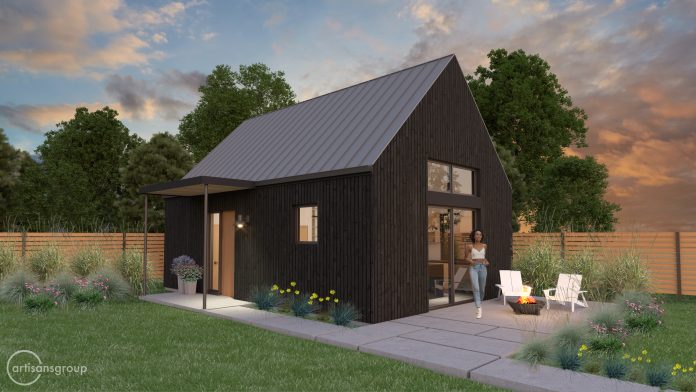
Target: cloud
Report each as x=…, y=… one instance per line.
x=81, y=37
x=190, y=81
x=630, y=68
x=432, y=20
x=36, y=118
x=208, y=36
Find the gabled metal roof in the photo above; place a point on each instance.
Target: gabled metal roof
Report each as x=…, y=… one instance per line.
x=343, y=131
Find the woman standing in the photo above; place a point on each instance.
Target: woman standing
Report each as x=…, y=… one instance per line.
x=477, y=271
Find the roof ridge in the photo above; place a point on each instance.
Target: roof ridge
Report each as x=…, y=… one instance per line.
x=351, y=86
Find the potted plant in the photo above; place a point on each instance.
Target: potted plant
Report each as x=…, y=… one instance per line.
x=176, y=264
x=190, y=274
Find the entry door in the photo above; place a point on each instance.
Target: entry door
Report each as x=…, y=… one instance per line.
x=448, y=273
x=222, y=253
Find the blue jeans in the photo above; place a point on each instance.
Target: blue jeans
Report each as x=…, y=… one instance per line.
x=478, y=274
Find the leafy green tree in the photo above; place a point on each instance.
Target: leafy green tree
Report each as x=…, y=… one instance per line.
x=519, y=188
x=161, y=159
x=227, y=99
x=77, y=180
x=9, y=173
x=528, y=113
x=571, y=197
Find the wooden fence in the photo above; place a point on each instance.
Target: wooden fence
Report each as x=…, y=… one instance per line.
x=670, y=256
x=112, y=244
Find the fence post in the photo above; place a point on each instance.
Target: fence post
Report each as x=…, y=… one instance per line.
x=677, y=248
x=24, y=244
x=123, y=243
x=562, y=245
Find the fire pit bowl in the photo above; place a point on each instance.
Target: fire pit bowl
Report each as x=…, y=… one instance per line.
x=521, y=306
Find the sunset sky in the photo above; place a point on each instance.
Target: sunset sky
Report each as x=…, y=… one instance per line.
x=630, y=64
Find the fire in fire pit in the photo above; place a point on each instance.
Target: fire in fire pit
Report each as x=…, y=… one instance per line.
x=526, y=300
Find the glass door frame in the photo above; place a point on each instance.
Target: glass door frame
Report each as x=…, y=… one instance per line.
x=451, y=261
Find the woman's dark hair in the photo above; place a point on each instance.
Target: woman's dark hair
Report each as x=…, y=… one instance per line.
x=473, y=234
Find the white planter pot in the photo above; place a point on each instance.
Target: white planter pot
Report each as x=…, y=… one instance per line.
x=179, y=285
x=190, y=288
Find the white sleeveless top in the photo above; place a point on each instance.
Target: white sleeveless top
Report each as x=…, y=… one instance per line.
x=478, y=254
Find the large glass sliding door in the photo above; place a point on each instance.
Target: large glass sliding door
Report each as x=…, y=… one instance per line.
x=448, y=274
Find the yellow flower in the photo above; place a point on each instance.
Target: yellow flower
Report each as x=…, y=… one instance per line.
x=332, y=292
x=640, y=359
x=282, y=291
x=644, y=352
x=297, y=292
x=691, y=369
x=328, y=298
x=314, y=295
x=677, y=366
x=274, y=287
x=626, y=356
x=336, y=300
x=633, y=359
x=674, y=373
x=583, y=347
x=309, y=302
x=293, y=284
x=684, y=370
x=288, y=289
x=321, y=299
x=648, y=360
x=579, y=354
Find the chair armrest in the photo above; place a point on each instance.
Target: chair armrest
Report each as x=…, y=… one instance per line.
x=548, y=291
x=582, y=291
x=500, y=286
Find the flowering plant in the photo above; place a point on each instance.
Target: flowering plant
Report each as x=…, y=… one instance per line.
x=189, y=272
x=179, y=262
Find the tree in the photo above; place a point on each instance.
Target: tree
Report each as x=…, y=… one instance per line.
x=227, y=99
x=571, y=197
x=77, y=179
x=528, y=113
x=9, y=173
x=519, y=188
x=161, y=159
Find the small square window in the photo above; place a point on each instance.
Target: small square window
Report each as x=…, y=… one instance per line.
x=462, y=181
x=308, y=224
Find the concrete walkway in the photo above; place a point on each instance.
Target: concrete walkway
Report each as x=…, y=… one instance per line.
x=448, y=340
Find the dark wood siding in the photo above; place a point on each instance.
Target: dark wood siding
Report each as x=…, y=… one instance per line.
x=267, y=251
x=445, y=126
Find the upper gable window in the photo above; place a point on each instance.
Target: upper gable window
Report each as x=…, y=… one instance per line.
x=443, y=177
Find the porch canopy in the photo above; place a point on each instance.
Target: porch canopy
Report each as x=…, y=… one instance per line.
x=192, y=186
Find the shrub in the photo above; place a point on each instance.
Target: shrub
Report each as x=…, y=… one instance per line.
x=685, y=384
x=40, y=302
x=302, y=305
x=593, y=366
x=606, y=343
x=608, y=321
x=87, y=260
x=643, y=312
x=343, y=313
x=66, y=283
x=14, y=289
x=8, y=260
x=644, y=322
x=625, y=271
x=265, y=299
x=615, y=367
x=568, y=358
x=155, y=286
x=179, y=261
x=88, y=298
x=109, y=283
x=539, y=265
x=130, y=265
x=45, y=261
x=658, y=375
x=534, y=351
x=570, y=336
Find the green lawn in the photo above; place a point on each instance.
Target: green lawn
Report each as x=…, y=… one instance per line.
x=144, y=346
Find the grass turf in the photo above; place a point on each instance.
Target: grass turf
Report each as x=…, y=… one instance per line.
x=143, y=346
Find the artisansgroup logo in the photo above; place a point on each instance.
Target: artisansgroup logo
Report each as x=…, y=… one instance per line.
x=25, y=368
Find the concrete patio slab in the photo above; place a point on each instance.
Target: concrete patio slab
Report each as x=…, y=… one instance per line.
x=244, y=314
x=497, y=347
x=354, y=338
x=194, y=301
x=298, y=327
x=435, y=357
x=445, y=324
x=512, y=335
x=519, y=376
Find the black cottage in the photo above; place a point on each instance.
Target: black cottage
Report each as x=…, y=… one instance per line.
x=371, y=190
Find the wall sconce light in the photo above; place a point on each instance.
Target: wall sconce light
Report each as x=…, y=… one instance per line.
x=242, y=221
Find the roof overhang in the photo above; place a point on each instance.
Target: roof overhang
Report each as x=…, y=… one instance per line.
x=195, y=186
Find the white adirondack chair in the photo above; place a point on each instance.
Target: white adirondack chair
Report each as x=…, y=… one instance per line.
x=567, y=290
x=511, y=285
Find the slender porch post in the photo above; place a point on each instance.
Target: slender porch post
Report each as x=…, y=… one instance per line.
x=145, y=249
x=205, y=244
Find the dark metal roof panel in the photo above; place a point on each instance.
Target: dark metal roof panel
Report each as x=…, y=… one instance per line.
x=348, y=128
